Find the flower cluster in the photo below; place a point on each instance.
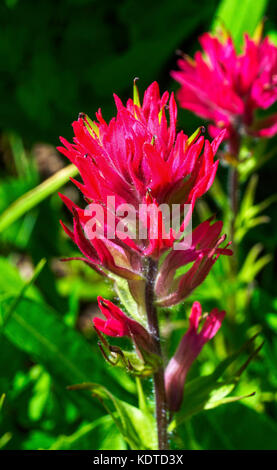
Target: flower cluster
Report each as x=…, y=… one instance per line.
x=139, y=153
x=228, y=88
x=139, y=158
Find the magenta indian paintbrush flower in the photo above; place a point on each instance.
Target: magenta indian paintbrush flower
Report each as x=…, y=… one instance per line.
x=189, y=348
x=139, y=159
x=228, y=88
x=138, y=153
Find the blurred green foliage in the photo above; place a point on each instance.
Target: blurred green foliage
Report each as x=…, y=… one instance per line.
x=57, y=59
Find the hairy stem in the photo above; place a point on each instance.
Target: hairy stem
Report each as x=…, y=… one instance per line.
x=160, y=396
x=234, y=199
x=235, y=143
x=234, y=208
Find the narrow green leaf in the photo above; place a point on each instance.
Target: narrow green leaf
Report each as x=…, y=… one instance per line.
x=258, y=208
x=221, y=399
x=11, y=281
x=240, y=17
x=249, y=195
x=218, y=194
x=35, y=196
x=36, y=329
x=2, y=399
x=137, y=427
x=19, y=155
x=5, y=439
x=273, y=36
x=249, y=215
x=246, y=272
x=40, y=397
x=235, y=427
x=7, y=436
x=141, y=395
x=212, y=390
x=101, y=434
x=22, y=292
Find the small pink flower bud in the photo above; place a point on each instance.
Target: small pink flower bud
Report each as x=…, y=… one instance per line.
x=187, y=351
x=118, y=324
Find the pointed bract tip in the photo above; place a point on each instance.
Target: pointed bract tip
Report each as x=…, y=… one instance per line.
x=101, y=301
x=136, y=99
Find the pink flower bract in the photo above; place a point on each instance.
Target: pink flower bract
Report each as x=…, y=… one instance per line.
x=118, y=324
x=227, y=88
x=188, y=350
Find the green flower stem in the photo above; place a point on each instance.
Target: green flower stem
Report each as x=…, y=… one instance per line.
x=234, y=200
x=234, y=190
x=153, y=325
x=33, y=197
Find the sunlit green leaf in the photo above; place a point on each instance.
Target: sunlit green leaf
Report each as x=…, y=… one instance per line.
x=235, y=427
x=211, y=391
x=101, y=434
x=35, y=196
x=37, y=330
x=253, y=264
x=137, y=427
x=240, y=17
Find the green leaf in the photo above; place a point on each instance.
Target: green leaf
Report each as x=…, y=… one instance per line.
x=122, y=289
x=35, y=196
x=137, y=427
x=40, y=397
x=253, y=264
x=240, y=17
x=249, y=195
x=22, y=292
x=38, y=440
x=7, y=436
x=2, y=399
x=141, y=396
x=253, y=155
x=235, y=427
x=20, y=232
x=20, y=158
x=208, y=392
x=36, y=329
x=271, y=319
x=11, y=281
x=101, y=434
x=249, y=215
x=5, y=439
x=273, y=36
x=218, y=194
